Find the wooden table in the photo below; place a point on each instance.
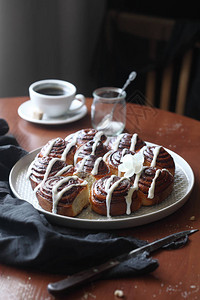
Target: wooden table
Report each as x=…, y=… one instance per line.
x=178, y=276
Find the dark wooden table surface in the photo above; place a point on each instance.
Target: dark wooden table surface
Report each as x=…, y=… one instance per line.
x=178, y=275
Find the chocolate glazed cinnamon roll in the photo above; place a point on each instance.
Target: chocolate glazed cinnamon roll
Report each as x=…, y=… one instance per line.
x=63, y=195
x=44, y=167
x=94, y=147
x=113, y=196
x=157, y=156
x=59, y=148
x=155, y=185
x=126, y=140
x=92, y=165
x=113, y=160
x=85, y=135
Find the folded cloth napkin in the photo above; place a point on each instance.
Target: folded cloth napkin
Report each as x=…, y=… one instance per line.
x=28, y=240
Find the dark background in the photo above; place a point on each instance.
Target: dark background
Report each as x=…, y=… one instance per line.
x=42, y=39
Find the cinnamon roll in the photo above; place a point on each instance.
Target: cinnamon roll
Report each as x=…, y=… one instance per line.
x=157, y=156
x=113, y=160
x=94, y=147
x=91, y=168
x=85, y=135
x=113, y=195
x=154, y=185
x=43, y=167
x=126, y=140
x=63, y=195
x=59, y=148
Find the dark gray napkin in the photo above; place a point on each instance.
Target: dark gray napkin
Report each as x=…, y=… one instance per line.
x=28, y=240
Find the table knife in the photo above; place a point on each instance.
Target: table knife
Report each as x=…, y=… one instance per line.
x=96, y=272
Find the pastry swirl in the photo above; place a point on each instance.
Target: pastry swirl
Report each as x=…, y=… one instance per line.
x=94, y=147
x=59, y=148
x=85, y=135
x=92, y=164
x=63, y=195
x=157, y=156
x=44, y=167
x=154, y=185
x=113, y=195
x=126, y=140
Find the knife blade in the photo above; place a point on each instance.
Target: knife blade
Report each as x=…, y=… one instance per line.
x=96, y=272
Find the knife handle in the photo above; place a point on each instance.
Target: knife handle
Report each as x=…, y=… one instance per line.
x=80, y=278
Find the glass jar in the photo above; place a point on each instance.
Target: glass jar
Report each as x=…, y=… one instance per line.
x=108, y=111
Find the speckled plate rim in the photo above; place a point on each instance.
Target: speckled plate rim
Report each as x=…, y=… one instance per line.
x=110, y=223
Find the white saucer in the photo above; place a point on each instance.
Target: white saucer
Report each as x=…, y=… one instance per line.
x=26, y=108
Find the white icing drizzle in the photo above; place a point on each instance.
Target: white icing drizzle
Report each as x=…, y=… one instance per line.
x=96, y=166
x=108, y=182
x=98, y=135
x=67, y=149
x=167, y=171
x=152, y=187
x=155, y=155
x=57, y=195
x=106, y=155
x=133, y=142
x=94, y=146
x=117, y=141
x=29, y=171
x=49, y=147
x=109, y=190
x=129, y=200
x=123, y=153
x=63, y=170
x=46, y=174
x=135, y=187
x=106, y=142
x=142, y=149
x=137, y=178
x=77, y=153
x=73, y=136
x=81, y=164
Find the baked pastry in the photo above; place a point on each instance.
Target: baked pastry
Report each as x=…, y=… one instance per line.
x=94, y=147
x=114, y=196
x=157, y=156
x=63, y=195
x=91, y=168
x=46, y=166
x=115, y=176
x=153, y=185
x=59, y=148
x=114, y=158
x=85, y=135
x=126, y=140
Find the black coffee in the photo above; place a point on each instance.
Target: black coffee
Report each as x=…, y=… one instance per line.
x=51, y=91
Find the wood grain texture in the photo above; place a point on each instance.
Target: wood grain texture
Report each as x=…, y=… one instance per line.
x=178, y=276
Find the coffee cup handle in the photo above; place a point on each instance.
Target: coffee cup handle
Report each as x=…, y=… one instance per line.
x=80, y=98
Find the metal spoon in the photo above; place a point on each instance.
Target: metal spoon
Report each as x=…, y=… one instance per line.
x=105, y=122
x=131, y=77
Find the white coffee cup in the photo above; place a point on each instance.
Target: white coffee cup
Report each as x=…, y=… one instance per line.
x=54, y=97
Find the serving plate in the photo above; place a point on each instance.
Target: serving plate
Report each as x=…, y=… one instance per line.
x=183, y=184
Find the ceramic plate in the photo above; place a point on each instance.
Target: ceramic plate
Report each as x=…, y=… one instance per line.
x=184, y=181
x=26, y=108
